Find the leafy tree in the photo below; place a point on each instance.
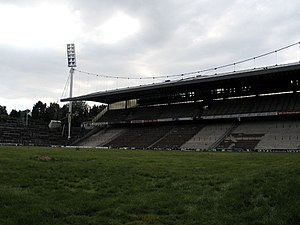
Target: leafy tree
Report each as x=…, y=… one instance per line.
x=15, y=113
x=3, y=110
x=80, y=112
x=95, y=110
x=39, y=110
x=64, y=112
x=53, y=112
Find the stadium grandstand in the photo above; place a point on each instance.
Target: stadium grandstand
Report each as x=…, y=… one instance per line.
x=14, y=131
x=256, y=109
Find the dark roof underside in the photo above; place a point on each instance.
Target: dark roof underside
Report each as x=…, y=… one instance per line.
x=252, y=82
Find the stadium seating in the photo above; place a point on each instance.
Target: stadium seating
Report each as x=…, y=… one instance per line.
x=185, y=126
x=282, y=135
x=102, y=137
x=13, y=131
x=208, y=136
x=139, y=136
x=278, y=134
x=272, y=103
x=159, y=127
x=172, y=111
x=177, y=136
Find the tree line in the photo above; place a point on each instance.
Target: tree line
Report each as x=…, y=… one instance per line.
x=81, y=112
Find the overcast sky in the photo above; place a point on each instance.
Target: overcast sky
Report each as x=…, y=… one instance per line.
x=136, y=38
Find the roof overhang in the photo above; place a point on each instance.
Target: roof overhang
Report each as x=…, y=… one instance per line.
x=259, y=81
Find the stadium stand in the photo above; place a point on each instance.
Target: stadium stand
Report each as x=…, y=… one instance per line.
x=251, y=110
x=102, y=137
x=279, y=134
x=177, y=136
x=254, y=104
x=14, y=132
x=139, y=136
x=238, y=111
x=208, y=136
x=246, y=136
x=248, y=110
x=172, y=111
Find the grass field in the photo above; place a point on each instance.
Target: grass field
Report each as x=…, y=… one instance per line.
x=147, y=187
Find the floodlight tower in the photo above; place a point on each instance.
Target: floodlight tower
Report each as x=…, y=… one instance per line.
x=71, y=64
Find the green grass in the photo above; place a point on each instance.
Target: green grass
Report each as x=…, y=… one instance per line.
x=147, y=187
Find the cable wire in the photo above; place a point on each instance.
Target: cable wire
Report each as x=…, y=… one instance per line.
x=190, y=73
x=67, y=82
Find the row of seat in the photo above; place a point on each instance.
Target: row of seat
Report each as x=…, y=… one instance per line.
x=13, y=131
x=281, y=134
x=270, y=103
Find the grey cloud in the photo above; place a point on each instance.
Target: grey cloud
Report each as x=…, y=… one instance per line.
x=176, y=36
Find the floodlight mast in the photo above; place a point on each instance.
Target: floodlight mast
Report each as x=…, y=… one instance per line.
x=71, y=64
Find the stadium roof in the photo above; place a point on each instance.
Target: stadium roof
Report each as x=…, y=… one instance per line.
x=240, y=83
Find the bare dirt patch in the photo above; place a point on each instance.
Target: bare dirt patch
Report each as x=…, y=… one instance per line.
x=43, y=158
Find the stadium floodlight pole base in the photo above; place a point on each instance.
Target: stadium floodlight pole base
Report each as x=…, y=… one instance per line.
x=70, y=104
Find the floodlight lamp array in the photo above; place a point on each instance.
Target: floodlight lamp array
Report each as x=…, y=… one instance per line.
x=71, y=55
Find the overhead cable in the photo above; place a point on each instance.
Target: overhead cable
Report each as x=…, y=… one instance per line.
x=138, y=77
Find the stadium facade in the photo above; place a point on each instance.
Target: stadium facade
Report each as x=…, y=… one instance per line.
x=255, y=109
